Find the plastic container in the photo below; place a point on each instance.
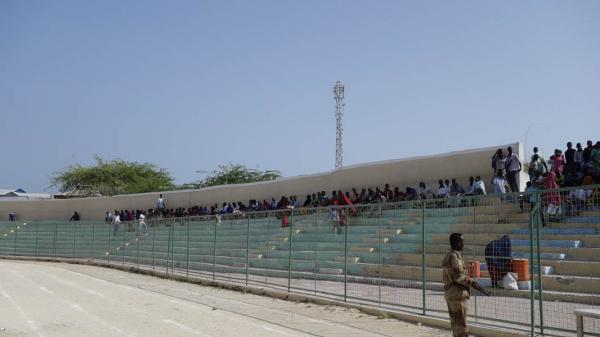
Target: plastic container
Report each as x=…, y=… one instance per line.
x=521, y=267
x=474, y=269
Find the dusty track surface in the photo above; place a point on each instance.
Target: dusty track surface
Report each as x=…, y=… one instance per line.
x=51, y=299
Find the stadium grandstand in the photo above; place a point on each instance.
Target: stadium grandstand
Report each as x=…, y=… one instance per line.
x=371, y=235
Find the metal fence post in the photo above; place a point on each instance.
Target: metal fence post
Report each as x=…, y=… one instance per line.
x=531, y=269
x=36, y=239
x=137, y=244
x=379, y=250
x=291, y=224
x=539, y=264
x=108, y=251
x=173, y=250
x=247, y=246
x=124, y=239
x=187, y=259
x=169, y=243
x=74, y=237
x=15, y=240
x=423, y=258
x=345, y=258
x=93, y=240
x=215, y=249
x=475, y=201
x=54, y=241
x=153, y=245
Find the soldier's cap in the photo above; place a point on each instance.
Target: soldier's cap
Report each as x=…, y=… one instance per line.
x=455, y=238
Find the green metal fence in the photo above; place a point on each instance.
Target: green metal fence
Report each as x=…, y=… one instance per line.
x=385, y=255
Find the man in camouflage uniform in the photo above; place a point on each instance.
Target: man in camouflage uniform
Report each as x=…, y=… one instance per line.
x=457, y=286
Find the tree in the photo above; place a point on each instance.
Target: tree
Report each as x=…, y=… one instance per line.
x=234, y=174
x=112, y=178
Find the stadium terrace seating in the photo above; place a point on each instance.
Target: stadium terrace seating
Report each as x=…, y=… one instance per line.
x=382, y=245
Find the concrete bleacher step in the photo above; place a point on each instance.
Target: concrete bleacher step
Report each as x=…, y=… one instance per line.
x=582, y=219
x=545, y=256
x=550, y=243
x=331, y=271
x=481, y=228
x=560, y=231
x=484, y=239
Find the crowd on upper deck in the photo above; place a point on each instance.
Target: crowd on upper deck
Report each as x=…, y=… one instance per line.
x=577, y=166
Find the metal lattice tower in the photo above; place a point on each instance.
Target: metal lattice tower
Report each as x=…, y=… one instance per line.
x=338, y=95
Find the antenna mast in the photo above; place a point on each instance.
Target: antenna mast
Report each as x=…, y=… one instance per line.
x=338, y=95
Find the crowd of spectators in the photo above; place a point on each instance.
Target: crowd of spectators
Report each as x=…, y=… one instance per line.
x=575, y=168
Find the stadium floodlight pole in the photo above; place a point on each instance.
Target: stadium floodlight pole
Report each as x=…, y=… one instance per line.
x=338, y=95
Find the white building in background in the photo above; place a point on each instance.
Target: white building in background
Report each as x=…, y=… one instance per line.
x=20, y=194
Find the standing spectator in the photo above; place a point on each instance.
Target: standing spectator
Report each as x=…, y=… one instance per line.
x=578, y=159
x=12, y=216
x=513, y=167
x=587, y=152
x=594, y=162
x=558, y=162
x=536, y=167
x=498, y=161
x=116, y=220
x=161, y=205
x=142, y=227
x=552, y=198
x=570, y=157
x=541, y=159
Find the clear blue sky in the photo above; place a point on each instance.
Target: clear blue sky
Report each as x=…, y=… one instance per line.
x=188, y=85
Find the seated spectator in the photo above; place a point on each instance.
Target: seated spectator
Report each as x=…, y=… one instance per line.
x=576, y=200
x=308, y=201
x=314, y=200
x=75, y=217
x=530, y=195
x=442, y=191
x=411, y=193
x=455, y=189
x=387, y=193
x=398, y=195
x=499, y=183
x=424, y=191
x=363, y=195
x=477, y=187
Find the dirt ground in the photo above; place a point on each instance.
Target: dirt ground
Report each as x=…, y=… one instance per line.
x=50, y=299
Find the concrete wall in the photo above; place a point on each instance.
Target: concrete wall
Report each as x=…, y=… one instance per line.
x=401, y=173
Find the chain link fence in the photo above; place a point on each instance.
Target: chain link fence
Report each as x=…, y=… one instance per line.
x=536, y=252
